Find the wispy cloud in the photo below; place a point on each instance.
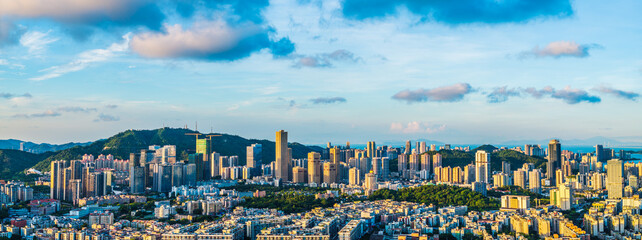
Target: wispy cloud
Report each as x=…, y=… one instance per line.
x=560, y=49
x=618, y=93
x=328, y=100
x=76, y=109
x=106, y=118
x=36, y=41
x=568, y=94
x=12, y=96
x=416, y=127
x=85, y=59
x=111, y=106
x=452, y=93
x=501, y=94
x=48, y=113
x=325, y=59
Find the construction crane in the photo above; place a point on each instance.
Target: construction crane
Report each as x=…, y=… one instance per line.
x=195, y=134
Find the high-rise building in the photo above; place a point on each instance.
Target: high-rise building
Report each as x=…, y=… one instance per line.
x=414, y=162
x=299, y=174
x=422, y=147
x=254, y=155
x=354, y=177
x=482, y=166
x=376, y=167
x=335, y=155
x=315, y=168
x=372, y=149
x=614, y=182
x=554, y=159
x=436, y=160
x=198, y=160
x=402, y=163
x=599, y=152
x=520, y=178
x=408, y=148
x=215, y=164
x=282, y=156
x=385, y=167
x=57, y=180
x=330, y=172
x=506, y=167
x=425, y=162
x=535, y=181
x=370, y=182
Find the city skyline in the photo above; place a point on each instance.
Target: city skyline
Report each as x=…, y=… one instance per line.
x=353, y=75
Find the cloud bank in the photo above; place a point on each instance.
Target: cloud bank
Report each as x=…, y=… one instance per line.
x=210, y=40
x=451, y=93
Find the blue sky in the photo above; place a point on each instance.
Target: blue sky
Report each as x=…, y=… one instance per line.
x=472, y=72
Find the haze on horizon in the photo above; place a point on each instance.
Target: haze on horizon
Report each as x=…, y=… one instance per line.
x=338, y=70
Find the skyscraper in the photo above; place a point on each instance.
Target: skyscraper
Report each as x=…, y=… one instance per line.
x=354, y=177
x=330, y=172
x=57, y=180
x=372, y=149
x=299, y=175
x=315, y=169
x=254, y=155
x=482, y=166
x=614, y=182
x=282, y=157
x=554, y=159
x=408, y=148
x=599, y=152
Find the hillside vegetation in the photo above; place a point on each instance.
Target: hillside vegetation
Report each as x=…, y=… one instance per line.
x=440, y=196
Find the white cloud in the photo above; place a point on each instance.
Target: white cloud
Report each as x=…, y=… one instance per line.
x=416, y=127
x=211, y=40
x=84, y=59
x=36, y=41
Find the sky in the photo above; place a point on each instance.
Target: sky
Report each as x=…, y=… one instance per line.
x=462, y=72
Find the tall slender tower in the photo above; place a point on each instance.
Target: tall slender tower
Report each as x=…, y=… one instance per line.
x=614, y=180
x=482, y=166
x=554, y=159
x=282, y=156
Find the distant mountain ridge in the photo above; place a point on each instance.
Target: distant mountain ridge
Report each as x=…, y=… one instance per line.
x=14, y=144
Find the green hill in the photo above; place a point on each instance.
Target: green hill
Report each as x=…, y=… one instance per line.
x=14, y=161
x=122, y=144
